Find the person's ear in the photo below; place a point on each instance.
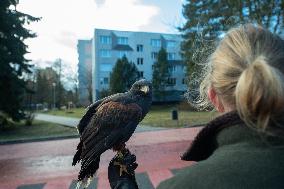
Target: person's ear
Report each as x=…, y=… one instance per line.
x=213, y=97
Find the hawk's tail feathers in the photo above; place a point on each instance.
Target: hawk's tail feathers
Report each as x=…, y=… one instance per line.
x=77, y=156
x=90, y=170
x=84, y=183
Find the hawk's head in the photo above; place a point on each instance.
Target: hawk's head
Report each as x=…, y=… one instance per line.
x=143, y=87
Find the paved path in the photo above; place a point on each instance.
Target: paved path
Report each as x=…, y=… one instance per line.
x=67, y=121
x=47, y=165
x=73, y=122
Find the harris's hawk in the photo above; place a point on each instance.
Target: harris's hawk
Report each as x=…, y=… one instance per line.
x=109, y=123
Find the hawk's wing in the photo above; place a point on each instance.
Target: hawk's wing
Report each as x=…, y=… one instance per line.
x=91, y=110
x=109, y=118
x=113, y=122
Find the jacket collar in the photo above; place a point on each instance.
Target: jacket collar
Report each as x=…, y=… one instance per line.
x=205, y=142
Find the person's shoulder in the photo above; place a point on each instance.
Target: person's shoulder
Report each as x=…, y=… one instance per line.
x=210, y=173
x=188, y=177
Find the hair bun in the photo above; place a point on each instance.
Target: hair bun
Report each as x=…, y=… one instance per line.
x=260, y=93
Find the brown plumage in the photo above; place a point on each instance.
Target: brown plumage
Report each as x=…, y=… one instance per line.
x=109, y=123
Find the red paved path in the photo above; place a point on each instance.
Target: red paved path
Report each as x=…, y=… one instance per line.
x=50, y=162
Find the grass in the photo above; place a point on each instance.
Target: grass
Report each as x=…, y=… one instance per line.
x=158, y=116
x=39, y=129
x=162, y=118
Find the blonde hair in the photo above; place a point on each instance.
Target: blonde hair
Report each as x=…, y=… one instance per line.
x=246, y=71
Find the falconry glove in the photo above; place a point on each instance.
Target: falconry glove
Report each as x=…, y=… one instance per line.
x=121, y=171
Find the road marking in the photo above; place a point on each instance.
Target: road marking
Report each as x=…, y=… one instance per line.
x=158, y=176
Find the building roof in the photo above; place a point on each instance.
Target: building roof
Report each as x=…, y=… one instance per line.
x=171, y=37
x=125, y=32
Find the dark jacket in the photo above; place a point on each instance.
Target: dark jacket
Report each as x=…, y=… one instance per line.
x=231, y=155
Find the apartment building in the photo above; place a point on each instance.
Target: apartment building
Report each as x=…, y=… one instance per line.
x=84, y=48
x=139, y=47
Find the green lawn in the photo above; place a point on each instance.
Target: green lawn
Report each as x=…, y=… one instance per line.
x=39, y=129
x=162, y=118
x=158, y=116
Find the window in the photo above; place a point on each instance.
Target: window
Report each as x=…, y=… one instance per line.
x=139, y=48
x=122, y=40
x=140, y=74
x=106, y=67
x=105, y=53
x=171, y=56
x=154, y=55
x=156, y=43
x=139, y=61
x=171, y=44
x=173, y=69
x=172, y=81
x=184, y=69
x=104, y=39
x=105, y=80
x=122, y=53
x=183, y=80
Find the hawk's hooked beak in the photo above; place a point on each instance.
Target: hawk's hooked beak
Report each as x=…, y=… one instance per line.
x=145, y=89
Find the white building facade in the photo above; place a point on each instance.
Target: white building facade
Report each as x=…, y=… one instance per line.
x=140, y=48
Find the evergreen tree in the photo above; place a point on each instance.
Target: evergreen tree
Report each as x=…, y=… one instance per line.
x=13, y=65
x=161, y=73
x=123, y=75
x=207, y=20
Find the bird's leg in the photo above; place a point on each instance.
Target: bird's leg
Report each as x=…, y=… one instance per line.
x=122, y=168
x=121, y=151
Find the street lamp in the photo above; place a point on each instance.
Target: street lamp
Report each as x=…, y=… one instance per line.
x=54, y=85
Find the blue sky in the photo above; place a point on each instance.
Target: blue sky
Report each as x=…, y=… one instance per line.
x=65, y=21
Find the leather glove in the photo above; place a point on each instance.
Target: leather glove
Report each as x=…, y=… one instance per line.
x=123, y=178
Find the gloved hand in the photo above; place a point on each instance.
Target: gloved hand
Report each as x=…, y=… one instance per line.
x=123, y=177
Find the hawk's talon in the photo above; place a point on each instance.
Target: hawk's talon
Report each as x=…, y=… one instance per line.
x=119, y=155
x=122, y=168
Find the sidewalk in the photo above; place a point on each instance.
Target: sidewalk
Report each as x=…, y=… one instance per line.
x=73, y=122
x=67, y=121
x=47, y=165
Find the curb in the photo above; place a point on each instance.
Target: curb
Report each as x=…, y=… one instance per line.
x=38, y=139
x=197, y=125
